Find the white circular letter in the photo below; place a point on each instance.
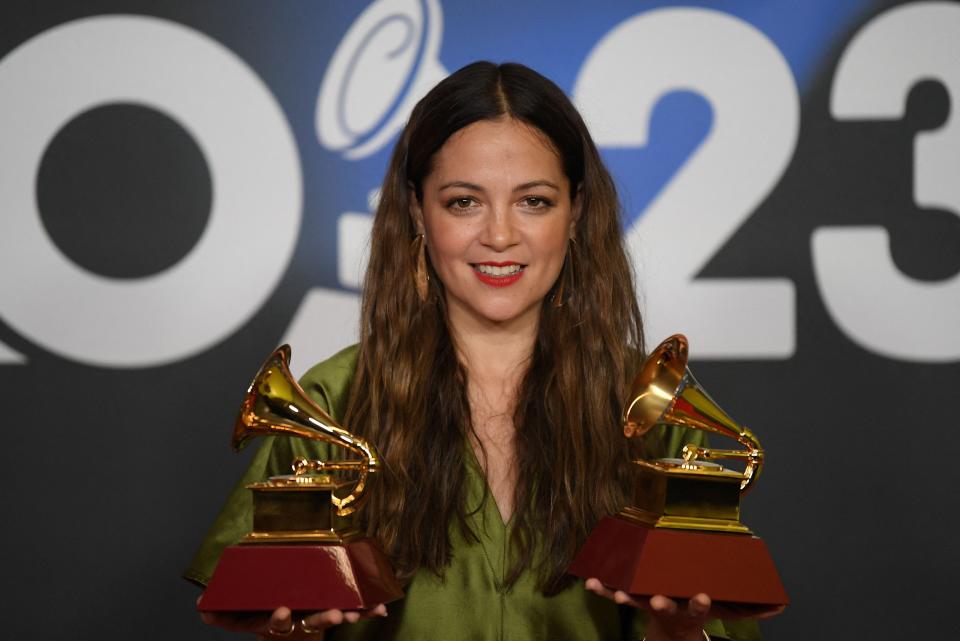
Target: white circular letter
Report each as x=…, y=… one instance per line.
x=254, y=167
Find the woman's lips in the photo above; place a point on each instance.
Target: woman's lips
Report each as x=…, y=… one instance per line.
x=498, y=274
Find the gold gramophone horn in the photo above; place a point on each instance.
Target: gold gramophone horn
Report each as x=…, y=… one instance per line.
x=665, y=391
x=276, y=404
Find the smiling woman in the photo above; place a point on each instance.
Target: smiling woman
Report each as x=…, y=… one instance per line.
x=497, y=215
x=492, y=367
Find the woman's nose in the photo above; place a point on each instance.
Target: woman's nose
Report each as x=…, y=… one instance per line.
x=500, y=232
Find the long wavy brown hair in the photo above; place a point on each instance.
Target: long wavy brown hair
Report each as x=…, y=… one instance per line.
x=409, y=395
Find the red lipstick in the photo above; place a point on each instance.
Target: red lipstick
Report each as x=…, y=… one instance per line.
x=498, y=280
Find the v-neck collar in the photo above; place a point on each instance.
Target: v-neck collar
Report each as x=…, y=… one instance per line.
x=486, y=494
x=484, y=517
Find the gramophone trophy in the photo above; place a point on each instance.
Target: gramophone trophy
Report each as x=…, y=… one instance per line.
x=303, y=552
x=683, y=534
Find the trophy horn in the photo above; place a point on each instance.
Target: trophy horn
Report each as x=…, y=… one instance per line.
x=276, y=404
x=665, y=391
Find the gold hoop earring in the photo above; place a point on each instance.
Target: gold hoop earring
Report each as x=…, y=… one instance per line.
x=421, y=277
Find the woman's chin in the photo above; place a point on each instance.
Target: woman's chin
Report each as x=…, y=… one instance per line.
x=505, y=316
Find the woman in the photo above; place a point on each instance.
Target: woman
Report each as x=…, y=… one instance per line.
x=499, y=335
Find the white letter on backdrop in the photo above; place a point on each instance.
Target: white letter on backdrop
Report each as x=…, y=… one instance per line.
x=873, y=302
x=253, y=162
x=755, y=103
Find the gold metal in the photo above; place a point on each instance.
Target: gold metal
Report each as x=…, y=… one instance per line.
x=652, y=519
x=665, y=391
x=302, y=466
x=566, y=273
x=284, y=633
x=276, y=404
x=692, y=492
x=337, y=537
x=421, y=277
x=306, y=629
x=672, y=493
x=297, y=508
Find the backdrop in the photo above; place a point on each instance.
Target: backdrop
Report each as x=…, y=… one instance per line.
x=185, y=185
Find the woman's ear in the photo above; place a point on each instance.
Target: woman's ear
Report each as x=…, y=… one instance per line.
x=416, y=209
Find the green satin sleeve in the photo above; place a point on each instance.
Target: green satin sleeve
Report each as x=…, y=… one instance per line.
x=327, y=384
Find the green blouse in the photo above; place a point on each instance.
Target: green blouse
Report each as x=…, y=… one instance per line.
x=470, y=601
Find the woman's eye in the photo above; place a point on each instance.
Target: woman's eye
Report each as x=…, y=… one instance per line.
x=536, y=202
x=461, y=203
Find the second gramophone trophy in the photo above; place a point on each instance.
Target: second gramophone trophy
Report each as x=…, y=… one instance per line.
x=682, y=535
x=304, y=552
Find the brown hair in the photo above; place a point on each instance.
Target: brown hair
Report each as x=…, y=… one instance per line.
x=409, y=393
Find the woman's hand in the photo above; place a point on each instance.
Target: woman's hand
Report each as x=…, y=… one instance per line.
x=680, y=621
x=281, y=624
x=669, y=620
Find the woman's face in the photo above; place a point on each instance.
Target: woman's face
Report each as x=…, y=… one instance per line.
x=497, y=217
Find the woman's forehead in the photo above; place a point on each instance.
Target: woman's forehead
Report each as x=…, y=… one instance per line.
x=497, y=150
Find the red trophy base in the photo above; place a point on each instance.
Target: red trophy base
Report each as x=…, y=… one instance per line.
x=733, y=569
x=308, y=577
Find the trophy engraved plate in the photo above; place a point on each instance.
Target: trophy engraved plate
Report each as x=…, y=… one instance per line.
x=304, y=551
x=682, y=533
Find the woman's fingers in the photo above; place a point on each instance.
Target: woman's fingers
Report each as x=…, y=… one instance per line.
x=598, y=588
x=327, y=618
x=696, y=607
x=617, y=596
x=324, y=619
x=663, y=605
x=281, y=622
x=699, y=605
x=623, y=598
x=683, y=619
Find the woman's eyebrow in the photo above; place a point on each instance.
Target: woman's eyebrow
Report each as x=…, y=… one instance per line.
x=460, y=184
x=536, y=183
